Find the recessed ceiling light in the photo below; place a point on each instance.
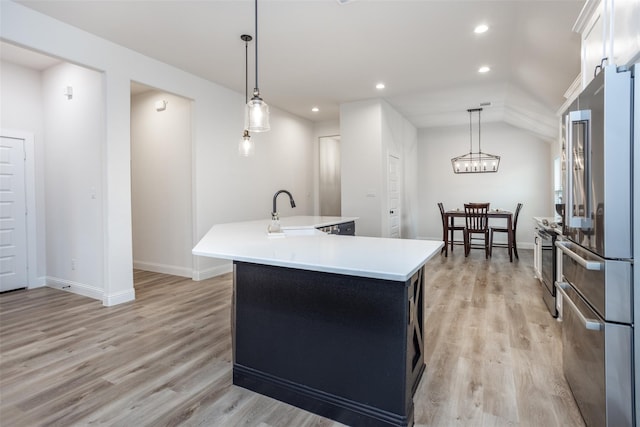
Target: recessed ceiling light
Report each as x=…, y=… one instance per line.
x=380, y=86
x=484, y=69
x=482, y=28
x=315, y=109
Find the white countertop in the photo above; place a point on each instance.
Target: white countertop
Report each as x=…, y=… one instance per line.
x=308, y=249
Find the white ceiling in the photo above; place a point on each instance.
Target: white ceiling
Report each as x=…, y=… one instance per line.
x=323, y=53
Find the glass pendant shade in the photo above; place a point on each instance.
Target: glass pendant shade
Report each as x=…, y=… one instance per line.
x=246, y=147
x=257, y=115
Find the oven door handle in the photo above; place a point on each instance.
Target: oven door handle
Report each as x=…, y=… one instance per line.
x=590, y=324
x=589, y=265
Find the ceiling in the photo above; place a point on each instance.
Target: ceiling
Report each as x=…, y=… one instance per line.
x=327, y=52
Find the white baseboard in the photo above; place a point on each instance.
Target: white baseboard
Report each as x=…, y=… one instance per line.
x=75, y=287
x=91, y=291
x=163, y=268
x=119, y=298
x=213, y=272
x=38, y=282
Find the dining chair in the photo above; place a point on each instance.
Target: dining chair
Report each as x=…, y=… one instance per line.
x=476, y=222
x=452, y=228
x=506, y=230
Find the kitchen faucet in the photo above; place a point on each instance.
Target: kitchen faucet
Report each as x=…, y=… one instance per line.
x=274, y=212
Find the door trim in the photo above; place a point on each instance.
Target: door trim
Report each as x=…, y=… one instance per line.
x=33, y=281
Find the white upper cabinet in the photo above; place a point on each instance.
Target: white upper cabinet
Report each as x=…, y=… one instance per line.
x=625, y=31
x=610, y=29
x=593, y=43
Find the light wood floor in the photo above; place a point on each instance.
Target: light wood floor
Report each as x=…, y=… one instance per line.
x=492, y=354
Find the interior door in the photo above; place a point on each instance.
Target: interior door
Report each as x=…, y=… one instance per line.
x=393, y=195
x=13, y=221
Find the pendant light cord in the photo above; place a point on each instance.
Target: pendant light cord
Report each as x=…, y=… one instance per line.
x=479, y=146
x=470, y=134
x=256, y=88
x=246, y=72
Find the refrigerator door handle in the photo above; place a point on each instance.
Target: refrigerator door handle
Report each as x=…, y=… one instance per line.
x=588, y=265
x=590, y=324
x=584, y=221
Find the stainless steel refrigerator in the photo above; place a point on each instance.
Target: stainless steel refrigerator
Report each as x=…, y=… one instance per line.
x=597, y=285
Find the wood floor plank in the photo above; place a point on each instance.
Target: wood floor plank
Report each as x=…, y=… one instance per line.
x=492, y=354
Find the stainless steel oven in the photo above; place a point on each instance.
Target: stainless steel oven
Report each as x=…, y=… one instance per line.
x=547, y=253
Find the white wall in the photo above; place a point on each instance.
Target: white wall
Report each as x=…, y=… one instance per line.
x=370, y=131
x=225, y=186
x=74, y=130
x=524, y=176
x=21, y=109
x=161, y=174
x=361, y=145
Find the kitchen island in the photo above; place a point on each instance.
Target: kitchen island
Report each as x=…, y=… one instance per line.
x=329, y=323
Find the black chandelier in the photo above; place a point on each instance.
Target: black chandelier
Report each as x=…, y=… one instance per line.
x=475, y=162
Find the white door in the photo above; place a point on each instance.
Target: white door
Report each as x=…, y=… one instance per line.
x=393, y=196
x=13, y=221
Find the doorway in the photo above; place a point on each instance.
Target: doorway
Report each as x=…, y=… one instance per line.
x=330, y=193
x=161, y=181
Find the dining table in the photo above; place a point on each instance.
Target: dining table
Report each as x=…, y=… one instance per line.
x=450, y=216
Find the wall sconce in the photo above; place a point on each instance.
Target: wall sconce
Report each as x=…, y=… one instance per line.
x=68, y=92
x=161, y=105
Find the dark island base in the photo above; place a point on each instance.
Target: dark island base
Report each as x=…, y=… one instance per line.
x=345, y=347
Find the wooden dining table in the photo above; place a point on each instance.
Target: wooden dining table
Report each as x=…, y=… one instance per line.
x=493, y=213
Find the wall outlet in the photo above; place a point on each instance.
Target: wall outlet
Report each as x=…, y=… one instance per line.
x=73, y=263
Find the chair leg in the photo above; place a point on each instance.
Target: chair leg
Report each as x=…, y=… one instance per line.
x=466, y=244
x=515, y=247
x=487, y=248
x=510, y=245
x=491, y=243
x=451, y=241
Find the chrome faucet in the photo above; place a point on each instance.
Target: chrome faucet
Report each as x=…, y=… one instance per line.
x=274, y=212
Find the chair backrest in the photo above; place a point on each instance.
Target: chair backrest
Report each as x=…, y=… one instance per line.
x=515, y=216
x=441, y=206
x=476, y=216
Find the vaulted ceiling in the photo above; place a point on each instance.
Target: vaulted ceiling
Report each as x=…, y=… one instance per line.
x=325, y=52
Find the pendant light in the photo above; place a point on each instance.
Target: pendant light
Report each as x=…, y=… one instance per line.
x=257, y=114
x=475, y=162
x=246, y=147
